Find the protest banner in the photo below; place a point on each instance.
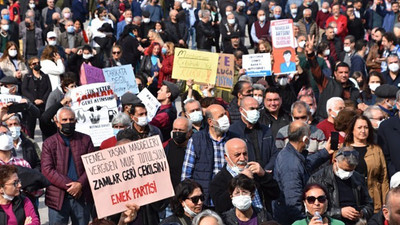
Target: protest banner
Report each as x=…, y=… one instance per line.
x=4, y=99
x=93, y=74
x=197, y=65
x=123, y=79
x=283, y=46
x=94, y=106
x=225, y=71
x=136, y=172
x=151, y=103
x=257, y=65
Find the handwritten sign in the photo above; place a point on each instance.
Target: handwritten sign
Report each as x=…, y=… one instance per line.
x=94, y=106
x=151, y=103
x=225, y=71
x=93, y=74
x=283, y=46
x=197, y=65
x=257, y=65
x=136, y=172
x=123, y=79
x=4, y=99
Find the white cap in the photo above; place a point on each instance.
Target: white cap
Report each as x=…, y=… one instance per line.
x=51, y=34
x=395, y=180
x=6, y=142
x=241, y=3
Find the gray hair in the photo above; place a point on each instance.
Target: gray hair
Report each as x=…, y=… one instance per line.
x=121, y=118
x=305, y=10
x=259, y=87
x=189, y=126
x=351, y=160
x=332, y=102
x=15, y=118
x=205, y=13
x=300, y=104
x=299, y=133
x=369, y=111
x=207, y=213
x=62, y=109
x=190, y=101
x=278, y=7
x=245, y=78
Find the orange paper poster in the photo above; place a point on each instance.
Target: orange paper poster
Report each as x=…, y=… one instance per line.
x=283, y=46
x=136, y=172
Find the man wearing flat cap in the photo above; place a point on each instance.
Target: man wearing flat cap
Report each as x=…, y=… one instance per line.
x=386, y=97
x=389, y=140
x=166, y=114
x=127, y=100
x=235, y=45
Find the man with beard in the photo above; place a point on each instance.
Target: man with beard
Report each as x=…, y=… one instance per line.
x=375, y=58
x=235, y=45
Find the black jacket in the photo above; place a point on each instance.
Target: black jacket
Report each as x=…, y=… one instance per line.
x=326, y=178
x=230, y=218
x=29, y=152
x=145, y=66
x=389, y=140
x=204, y=35
x=130, y=53
x=275, y=124
x=40, y=90
x=267, y=188
x=233, y=110
x=75, y=63
x=18, y=210
x=173, y=34
x=377, y=219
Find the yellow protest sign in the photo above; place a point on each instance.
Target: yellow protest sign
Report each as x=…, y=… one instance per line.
x=197, y=65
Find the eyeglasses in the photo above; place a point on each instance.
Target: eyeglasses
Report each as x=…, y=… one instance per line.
x=15, y=183
x=195, y=199
x=348, y=153
x=116, y=53
x=311, y=199
x=34, y=63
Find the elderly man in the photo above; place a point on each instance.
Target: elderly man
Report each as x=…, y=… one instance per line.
x=194, y=113
x=140, y=124
x=228, y=28
x=385, y=99
x=236, y=156
x=260, y=28
x=307, y=25
x=301, y=111
x=48, y=12
x=292, y=170
x=70, y=40
x=258, y=137
x=120, y=122
x=69, y=193
x=333, y=106
x=32, y=38
x=375, y=115
x=204, y=156
x=391, y=75
x=347, y=189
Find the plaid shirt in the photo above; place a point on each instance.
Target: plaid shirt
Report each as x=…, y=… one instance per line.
x=16, y=162
x=256, y=202
x=190, y=157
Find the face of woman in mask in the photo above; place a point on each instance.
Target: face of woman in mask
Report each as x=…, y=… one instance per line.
x=193, y=203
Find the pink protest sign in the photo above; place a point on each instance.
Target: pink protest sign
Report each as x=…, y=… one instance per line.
x=136, y=172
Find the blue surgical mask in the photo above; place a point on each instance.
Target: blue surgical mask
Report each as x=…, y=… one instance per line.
x=115, y=131
x=6, y=17
x=70, y=29
x=164, y=51
x=277, y=16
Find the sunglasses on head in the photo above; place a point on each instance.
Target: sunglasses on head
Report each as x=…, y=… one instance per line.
x=311, y=199
x=195, y=199
x=348, y=153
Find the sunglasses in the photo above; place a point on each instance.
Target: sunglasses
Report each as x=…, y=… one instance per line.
x=116, y=53
x=34, y=63
x=348, y=153
x=311, y=199
x=196, y=199
x=15, y=183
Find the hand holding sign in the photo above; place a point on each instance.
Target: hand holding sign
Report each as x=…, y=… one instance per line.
x=130, y=214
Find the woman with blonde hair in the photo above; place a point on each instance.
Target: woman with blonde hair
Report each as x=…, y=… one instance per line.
x=167, y=64
x=12, y=63
x=52, y=65
x=155, y=37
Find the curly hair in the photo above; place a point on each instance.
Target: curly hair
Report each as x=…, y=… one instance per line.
x=6, y=171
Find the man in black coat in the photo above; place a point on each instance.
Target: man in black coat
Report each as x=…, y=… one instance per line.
x=205, y=32
x=176, y=30
x=236, y=158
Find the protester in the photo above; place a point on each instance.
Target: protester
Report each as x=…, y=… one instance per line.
x=52, y=65
x=12, y=63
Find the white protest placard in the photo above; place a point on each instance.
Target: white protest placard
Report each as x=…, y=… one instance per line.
x=4, y=99
x=123, y=79
x=136, y=172
x=257, y=65
x=151, y=103
x=94, y=106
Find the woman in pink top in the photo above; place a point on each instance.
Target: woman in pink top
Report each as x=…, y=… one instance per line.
x=15, y=209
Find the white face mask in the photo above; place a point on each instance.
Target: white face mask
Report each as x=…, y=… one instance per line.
x=12, y=53
x=379, y=123
x=235, y=167
x=335, y=30
x=373, y=86
x=223, y=124
x=302, y=44
x=324, y=10
x=327, y=52
x=227, y=13
x=4, y=90
x=293, y=11
x=231, y=21
x=87, y=56
x=146, y=20
x=189, y=211
x=67, y=15
x=15, y=132
x=312, y=111
x=7, y=197
x=142, y=121
x=196, y=116
x=262, y=18
x=5, y=27
x=52, y=43
x=343, y=174
x=259, y=99
x=252, y=115
x=283, y=81
x=242, y=202
x=128, y=19
x=394, y=67
x=32, y=5
x=347, y=49
x=335, y=111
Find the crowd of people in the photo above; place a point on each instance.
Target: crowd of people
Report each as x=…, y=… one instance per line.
x=318, y=146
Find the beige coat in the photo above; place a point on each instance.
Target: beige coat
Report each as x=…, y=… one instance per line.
x=8, y=68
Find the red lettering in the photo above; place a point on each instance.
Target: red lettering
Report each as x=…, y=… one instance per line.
x=120, y=197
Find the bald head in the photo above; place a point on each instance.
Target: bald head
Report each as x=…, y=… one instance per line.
x=297, y=130
x=182, y=124
x=236, y=153
x=215, y=111
x=248, y=100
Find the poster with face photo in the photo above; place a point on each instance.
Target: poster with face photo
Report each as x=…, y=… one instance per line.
x=94, y=106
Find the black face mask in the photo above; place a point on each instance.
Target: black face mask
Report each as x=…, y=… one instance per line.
x=179, y=137
x=68, y=128
x=308, y=19
x=37, y=67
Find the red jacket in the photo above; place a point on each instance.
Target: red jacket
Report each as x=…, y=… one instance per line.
x=166, y=70
x=55, y=166
x=341, y=25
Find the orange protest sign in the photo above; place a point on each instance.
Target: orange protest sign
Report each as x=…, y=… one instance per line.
x=136, y=172
x=283, y=46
